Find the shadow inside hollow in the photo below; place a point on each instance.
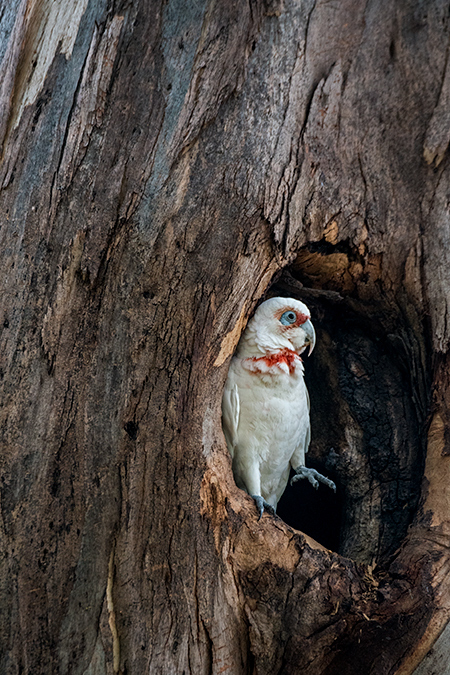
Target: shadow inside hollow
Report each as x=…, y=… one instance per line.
x=317, y=513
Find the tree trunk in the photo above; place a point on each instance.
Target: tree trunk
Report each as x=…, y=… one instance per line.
x=165, y=166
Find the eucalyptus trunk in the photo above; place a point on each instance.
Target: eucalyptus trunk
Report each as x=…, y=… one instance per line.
x=164, y=167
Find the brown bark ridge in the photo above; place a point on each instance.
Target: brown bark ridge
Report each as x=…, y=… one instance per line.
x=164, y=166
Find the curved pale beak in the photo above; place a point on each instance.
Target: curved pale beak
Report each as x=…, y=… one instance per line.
x=310, y=335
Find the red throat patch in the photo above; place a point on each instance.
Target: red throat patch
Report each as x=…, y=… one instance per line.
x=286, y=356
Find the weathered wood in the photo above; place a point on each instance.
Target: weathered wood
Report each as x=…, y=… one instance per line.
x=162, y=164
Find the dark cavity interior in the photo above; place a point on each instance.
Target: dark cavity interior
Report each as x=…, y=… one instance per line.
x=368, y=384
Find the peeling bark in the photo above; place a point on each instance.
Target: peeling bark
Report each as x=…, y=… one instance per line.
x=164, y=168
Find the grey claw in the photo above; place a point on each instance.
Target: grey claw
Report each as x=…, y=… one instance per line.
x=313, y=476
x=262, y=505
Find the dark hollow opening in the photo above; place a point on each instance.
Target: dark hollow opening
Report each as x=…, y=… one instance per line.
x=317, y=513
x=368, y=384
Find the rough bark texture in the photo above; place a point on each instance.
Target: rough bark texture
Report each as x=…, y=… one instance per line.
x=164, y=166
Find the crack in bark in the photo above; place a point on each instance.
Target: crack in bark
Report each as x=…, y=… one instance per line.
x=308, y=20
x=112, y=614
x=54, y=200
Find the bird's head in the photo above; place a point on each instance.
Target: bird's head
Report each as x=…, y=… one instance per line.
x=278, y=323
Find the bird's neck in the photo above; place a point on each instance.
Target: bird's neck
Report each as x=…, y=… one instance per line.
x=274, y=363
x=259, y=342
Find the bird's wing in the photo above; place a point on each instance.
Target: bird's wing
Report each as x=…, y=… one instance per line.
x=230, y=414
x=308, y=433
x=307, y=439
x=304, y=438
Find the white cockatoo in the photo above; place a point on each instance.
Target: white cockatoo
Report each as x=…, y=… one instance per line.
x=265, y=404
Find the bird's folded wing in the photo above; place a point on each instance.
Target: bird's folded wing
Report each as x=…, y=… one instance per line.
x=230, y=414
x=308, y=433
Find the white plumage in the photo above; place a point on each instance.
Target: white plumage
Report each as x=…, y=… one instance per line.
x=265, y=404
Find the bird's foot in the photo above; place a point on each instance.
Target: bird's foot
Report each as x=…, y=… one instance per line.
x=261, y=504
x=313, y=476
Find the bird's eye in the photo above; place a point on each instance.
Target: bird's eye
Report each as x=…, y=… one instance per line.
x=288, y=318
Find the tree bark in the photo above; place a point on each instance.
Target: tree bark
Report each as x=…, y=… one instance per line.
x=165, y=166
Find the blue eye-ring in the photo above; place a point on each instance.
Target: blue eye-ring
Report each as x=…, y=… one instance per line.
x=288, y=318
